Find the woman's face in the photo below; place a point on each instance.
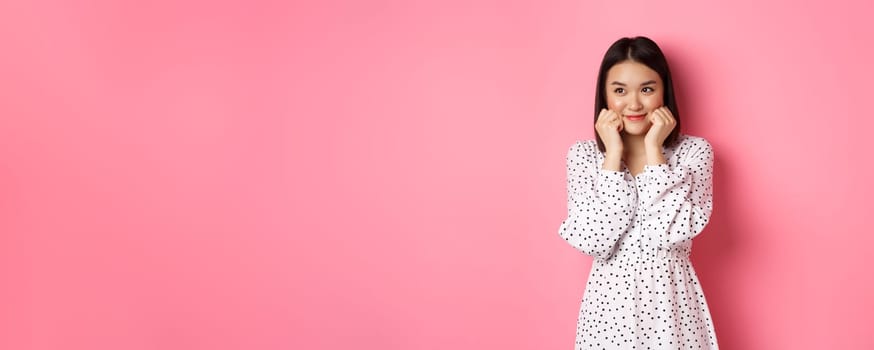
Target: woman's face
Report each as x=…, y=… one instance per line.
x=633, y=91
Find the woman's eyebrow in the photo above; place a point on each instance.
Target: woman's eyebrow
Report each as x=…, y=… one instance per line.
x=648, y=82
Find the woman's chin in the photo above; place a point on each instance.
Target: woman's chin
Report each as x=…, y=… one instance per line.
x=635, y=131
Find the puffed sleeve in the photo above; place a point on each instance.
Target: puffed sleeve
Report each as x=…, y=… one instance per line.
x=676, y=202
x=600, y=203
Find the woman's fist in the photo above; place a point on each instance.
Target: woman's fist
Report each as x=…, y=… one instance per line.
x=663, y=123
x=608, y=126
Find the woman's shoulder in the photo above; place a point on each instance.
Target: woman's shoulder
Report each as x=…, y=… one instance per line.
x=693, y=147
x=583, y=155
x=690, y=141
x=584, y=148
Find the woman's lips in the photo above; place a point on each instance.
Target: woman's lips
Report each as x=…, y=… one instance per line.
x=635, y=118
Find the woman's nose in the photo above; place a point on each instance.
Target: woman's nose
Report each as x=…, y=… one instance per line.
x=634, y=103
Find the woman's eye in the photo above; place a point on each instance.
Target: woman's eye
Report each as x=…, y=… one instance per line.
x=619, y=90
x=648, y=89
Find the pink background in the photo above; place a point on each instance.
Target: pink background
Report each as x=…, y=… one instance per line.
x=390, y=174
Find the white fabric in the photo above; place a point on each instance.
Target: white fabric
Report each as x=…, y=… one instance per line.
x=642, y=291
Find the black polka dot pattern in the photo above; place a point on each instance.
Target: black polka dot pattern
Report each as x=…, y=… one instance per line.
x=642, y=291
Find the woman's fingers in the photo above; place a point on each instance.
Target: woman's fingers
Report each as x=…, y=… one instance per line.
x=615, y=121
x=607, y=118
x=662, y=116
x=609, y=124
x=656, y=117
x=668, y=116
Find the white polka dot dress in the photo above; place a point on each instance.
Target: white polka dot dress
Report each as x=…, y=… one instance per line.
x=642, y=292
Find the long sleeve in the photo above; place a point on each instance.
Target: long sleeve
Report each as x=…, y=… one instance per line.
x=600, y=203
x=675, y=203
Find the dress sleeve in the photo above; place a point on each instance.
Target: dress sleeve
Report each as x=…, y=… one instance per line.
x=675, y=203
x=600, y=204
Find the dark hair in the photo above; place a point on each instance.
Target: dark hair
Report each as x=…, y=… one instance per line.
x=645, y=51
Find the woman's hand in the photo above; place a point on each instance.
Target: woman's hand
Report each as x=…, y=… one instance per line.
x=609, y=125
x=663, y=123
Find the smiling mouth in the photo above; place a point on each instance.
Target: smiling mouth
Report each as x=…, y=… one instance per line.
x=635, y=118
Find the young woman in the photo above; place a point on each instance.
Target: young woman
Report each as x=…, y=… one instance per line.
x=637, y=195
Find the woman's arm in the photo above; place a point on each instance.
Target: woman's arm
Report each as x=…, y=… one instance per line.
x=600, y=203
x=676, y=202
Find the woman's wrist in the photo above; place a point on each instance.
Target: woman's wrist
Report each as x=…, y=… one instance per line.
x=654, y=155
x=612, y=160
